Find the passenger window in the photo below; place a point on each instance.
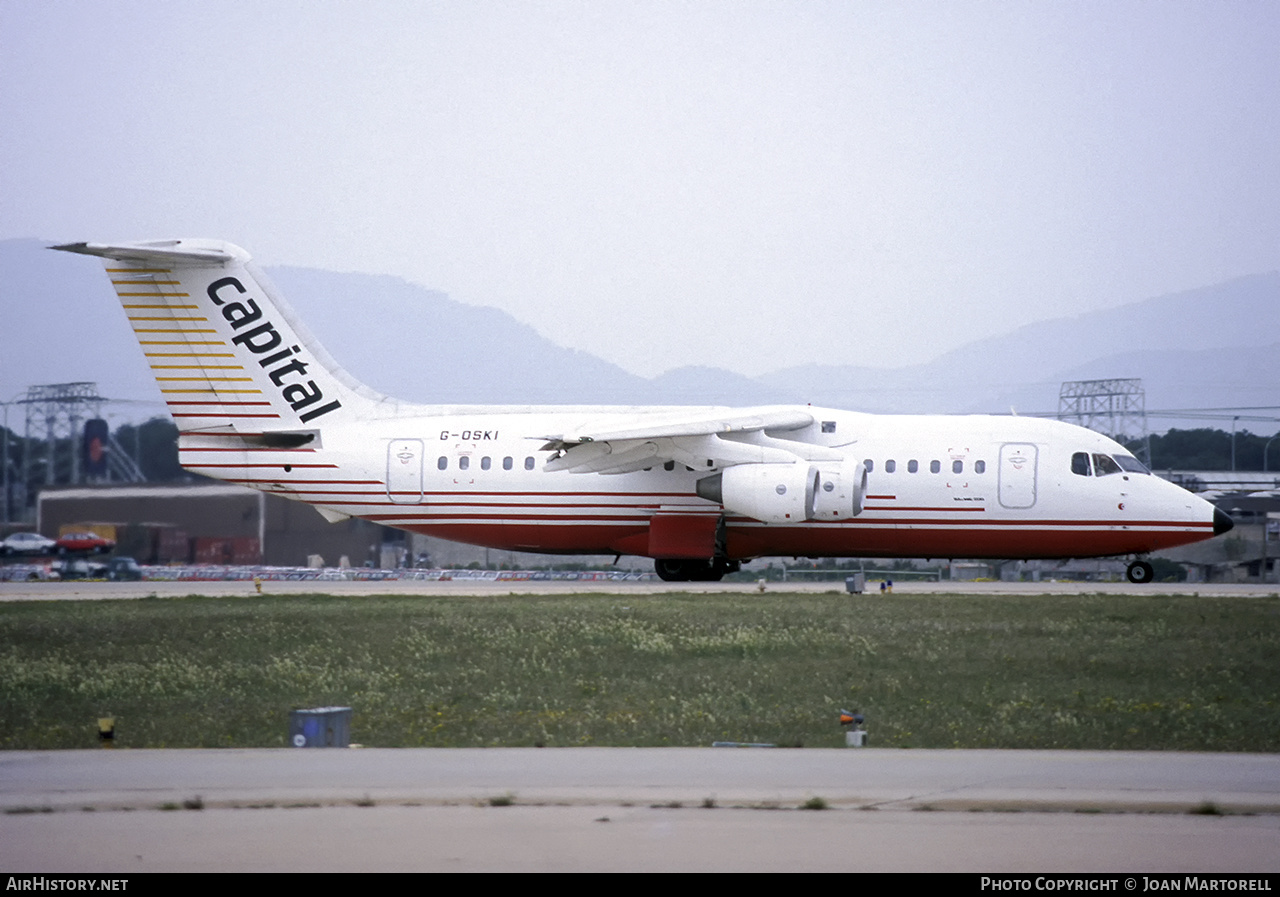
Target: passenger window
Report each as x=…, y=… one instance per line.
x=506, y=463
x=890, y=466
x=913, y=465
x=485, y=462
x=979, y=466
x=828, y=426
x=670, y=465
x=957, y=467
x=869, y=465
x=443, y=463
x=1080, y=464
x=935, y=467
x=1103, y=465
x=464, y=462
x=528, y=463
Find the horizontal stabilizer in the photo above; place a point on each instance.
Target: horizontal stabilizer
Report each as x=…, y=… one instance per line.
x=158, y=251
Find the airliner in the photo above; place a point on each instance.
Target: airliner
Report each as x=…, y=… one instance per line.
x=259, y=402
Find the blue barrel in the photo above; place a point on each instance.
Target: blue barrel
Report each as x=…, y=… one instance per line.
x=320, y=727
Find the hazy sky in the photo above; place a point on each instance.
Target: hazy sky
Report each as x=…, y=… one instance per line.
x=747, y=185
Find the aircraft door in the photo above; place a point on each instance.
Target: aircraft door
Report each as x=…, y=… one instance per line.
x=404, y=471
x=1018, y=474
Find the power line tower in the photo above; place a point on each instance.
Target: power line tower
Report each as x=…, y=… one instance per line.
x=1115, y=408
x=55, y=447
x=55, y=414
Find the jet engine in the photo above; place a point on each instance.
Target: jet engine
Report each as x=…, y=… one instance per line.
x=841, y=490
x=774, y=493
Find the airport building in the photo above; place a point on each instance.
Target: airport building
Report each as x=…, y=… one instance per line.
x=213, y=523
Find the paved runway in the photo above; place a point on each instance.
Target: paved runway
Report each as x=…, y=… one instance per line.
x=88, y=591
x=627, y=809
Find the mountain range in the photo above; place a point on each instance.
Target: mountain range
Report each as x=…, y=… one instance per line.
x=1213, y=347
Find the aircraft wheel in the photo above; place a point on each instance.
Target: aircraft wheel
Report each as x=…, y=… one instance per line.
x=704, y=571
x=692, y=570
x=720, y=566
x=671, y=570
x=1140, y=572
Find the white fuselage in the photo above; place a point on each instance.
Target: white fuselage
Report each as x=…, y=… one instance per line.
x=937, y=486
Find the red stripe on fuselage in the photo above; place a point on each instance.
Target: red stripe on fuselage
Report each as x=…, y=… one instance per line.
x=743, y=543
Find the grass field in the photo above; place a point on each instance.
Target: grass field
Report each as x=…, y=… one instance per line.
x=1094, y=671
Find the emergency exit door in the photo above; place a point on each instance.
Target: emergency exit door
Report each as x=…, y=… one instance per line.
x=404, y=471
x=1018, y=474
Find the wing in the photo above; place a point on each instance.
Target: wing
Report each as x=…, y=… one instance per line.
x=702, y=439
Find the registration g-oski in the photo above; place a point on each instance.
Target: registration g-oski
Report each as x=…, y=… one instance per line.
x=699, y=489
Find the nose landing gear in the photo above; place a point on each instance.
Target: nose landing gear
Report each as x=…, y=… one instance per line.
x=1140, y=572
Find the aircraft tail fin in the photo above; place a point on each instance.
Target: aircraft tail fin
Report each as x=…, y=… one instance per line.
x=227, y=351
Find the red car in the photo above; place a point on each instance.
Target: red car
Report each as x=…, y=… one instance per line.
x=83, y=543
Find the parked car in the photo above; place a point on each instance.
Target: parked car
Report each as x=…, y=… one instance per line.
x=79, y=568
x=28, y=573
x=27, y=543
x=84, y=543
x=123, y=570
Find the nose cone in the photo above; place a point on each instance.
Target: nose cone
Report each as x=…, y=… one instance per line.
x=1221, y=522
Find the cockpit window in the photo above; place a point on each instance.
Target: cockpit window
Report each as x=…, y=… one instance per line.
x=1104, y=465
x=1130, y=464
x=1080, y=464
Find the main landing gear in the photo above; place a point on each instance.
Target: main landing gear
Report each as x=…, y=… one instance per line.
x=1140, y=572
x=695, y=570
